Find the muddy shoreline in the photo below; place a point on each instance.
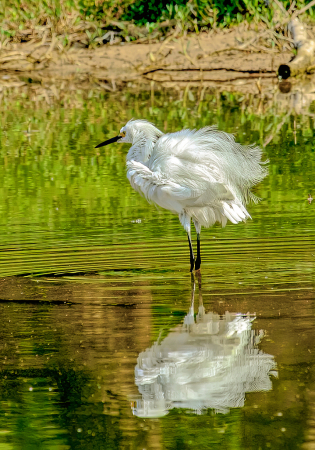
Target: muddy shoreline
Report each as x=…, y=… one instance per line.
x=233, y=59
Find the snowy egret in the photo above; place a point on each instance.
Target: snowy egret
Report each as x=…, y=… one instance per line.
x=203, y=175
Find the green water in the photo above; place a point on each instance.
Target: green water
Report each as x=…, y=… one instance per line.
x=92, y=276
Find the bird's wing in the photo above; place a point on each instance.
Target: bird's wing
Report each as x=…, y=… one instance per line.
x=176, y=160
x=144, y=181
x=184, y=193
x=206, y=158
x=196, y=199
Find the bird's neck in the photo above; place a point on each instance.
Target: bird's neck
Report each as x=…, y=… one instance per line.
x=140, y=150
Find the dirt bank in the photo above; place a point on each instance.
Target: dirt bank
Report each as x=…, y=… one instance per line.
x=236, y=59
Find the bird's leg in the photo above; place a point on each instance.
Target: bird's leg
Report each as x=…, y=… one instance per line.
x=185, y=221
x=198, y=259
x=192, y=258
x=198, y=230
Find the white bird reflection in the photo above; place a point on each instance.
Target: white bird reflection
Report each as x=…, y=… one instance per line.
x=210, y=361
x=297, y=96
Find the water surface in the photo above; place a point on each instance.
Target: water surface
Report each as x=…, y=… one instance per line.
x=100, y=345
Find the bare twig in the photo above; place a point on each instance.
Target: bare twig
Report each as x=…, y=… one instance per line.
x=280, y=6
x=301, y=11
x=243, y=46
x=290, y=10
x=52, y=45
x=167, y=40
x=262, y=49
x=186, y=54
x=279, y=36
x=229, y=49
x=254, y=39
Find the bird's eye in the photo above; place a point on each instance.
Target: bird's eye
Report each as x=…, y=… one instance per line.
x=122, y=133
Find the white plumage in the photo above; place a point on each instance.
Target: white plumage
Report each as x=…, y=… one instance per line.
x=203, y=175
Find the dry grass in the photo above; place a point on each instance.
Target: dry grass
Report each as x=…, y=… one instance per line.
x=69, y=25
x=71, y=22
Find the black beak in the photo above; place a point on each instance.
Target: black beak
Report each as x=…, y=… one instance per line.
x=109, y=141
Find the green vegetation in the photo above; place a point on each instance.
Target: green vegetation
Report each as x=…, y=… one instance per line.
x=61, y=193
x=132, y=19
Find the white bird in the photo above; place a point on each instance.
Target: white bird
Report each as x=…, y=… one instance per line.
x=203, y=175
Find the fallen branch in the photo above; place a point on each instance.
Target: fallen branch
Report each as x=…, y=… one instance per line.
x=305, y=57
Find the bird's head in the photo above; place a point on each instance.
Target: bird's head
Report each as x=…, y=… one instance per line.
x=133, y=131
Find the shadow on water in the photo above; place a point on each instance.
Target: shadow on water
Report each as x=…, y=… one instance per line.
x=210, y=361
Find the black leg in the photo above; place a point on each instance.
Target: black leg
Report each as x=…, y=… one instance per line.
x=192, y=258
x=198, y=260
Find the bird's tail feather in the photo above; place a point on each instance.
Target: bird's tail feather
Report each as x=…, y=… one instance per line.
x=235, y=213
